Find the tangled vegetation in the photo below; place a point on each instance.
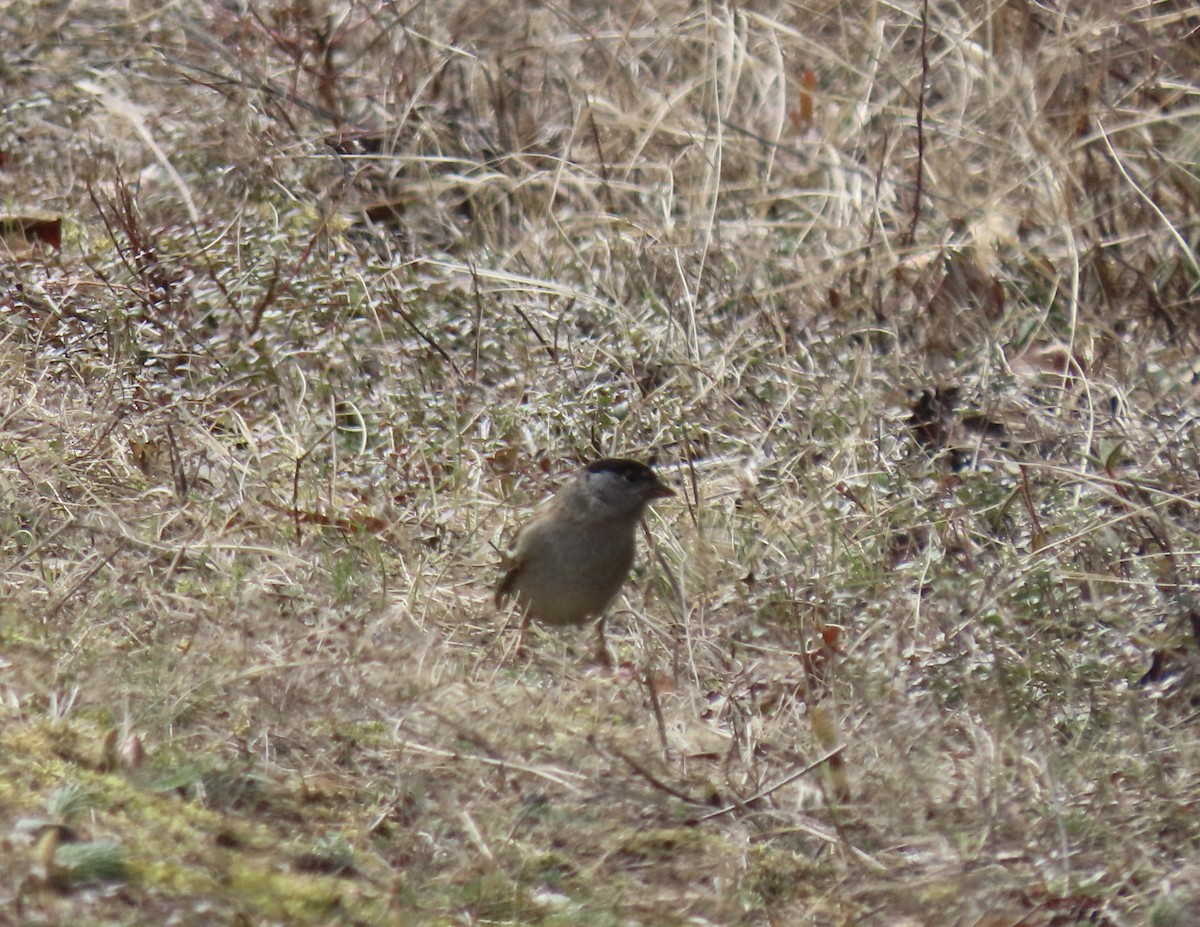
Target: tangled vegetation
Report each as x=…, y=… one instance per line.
x=307, y=304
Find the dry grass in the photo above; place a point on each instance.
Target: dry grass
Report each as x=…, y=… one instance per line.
x=346, y=288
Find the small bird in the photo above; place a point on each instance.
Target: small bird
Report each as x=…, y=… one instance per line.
x=572, y=558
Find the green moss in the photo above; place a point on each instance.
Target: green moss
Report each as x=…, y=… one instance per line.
x=656, y=843
x=301, y=898
x=777, y=876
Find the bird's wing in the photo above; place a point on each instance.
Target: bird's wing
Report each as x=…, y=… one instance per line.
x=511, y=564
x=505, y=588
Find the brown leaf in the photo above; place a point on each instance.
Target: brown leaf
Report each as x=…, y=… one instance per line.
x=20, y=234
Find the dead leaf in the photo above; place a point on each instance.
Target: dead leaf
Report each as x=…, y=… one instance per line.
x=21, y=236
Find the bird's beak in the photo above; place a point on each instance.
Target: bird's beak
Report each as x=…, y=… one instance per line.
x=661, y=491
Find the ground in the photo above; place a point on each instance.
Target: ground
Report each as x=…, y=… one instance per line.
x=307, y=305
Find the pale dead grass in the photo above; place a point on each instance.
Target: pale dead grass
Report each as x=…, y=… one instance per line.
x=259, y=456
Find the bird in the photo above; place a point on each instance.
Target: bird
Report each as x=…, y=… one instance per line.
x=571, y=559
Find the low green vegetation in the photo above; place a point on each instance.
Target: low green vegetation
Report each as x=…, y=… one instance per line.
x=307, y=305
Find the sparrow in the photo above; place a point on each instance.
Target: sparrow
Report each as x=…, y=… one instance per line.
x=571, y=559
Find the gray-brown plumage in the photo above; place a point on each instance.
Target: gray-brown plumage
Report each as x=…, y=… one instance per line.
x=572, y=558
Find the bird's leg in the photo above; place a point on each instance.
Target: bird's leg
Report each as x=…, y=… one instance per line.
x=603, y=657
x=520, y=651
